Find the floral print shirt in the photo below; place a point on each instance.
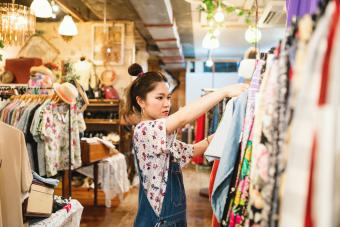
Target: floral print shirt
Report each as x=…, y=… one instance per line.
x=54, y=132
x=153, y=148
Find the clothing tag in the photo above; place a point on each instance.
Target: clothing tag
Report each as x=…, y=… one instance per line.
x=63, y=118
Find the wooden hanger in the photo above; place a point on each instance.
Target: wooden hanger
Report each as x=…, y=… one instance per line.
x=55, y=98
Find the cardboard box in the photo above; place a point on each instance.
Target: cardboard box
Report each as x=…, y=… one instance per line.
x=40, y=201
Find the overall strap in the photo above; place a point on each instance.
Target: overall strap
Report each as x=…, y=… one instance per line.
x=136, y=162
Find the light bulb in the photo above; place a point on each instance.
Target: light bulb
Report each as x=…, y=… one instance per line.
x=219, y=15
x=55, y=8
x=209, y=63
x=253, y=35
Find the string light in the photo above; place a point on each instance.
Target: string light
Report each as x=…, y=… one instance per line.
x=219, y=15
x=55, y=7
x=253, y=35
x=209, y=63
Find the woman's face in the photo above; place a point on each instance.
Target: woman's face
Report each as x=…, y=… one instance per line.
x=157, y=102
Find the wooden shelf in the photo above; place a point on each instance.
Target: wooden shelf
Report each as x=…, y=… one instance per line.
x=102, y=121
x=103, y=102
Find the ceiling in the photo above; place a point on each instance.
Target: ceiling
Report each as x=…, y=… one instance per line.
x=189, y=23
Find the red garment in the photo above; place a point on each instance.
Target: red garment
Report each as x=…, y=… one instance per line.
x=199, y=135
x=309, y=222
x=214, y=222
x=68, y=207
x=325, y=68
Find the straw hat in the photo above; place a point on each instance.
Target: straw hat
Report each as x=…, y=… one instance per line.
x=41, y=69
x=67, y=92
x=107, y=77
x=7, y=77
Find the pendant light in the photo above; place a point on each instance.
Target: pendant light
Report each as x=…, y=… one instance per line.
x=67, y=28
x=253, y=35
x=41, y=8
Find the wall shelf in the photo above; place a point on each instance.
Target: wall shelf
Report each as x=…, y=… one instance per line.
x=102, y=121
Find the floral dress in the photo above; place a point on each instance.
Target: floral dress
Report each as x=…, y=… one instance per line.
x=237, y=213
x=153, y=149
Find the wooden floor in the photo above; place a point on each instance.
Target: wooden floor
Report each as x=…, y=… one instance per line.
x=123, y=213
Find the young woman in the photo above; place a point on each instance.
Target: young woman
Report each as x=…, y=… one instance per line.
x=158, y=155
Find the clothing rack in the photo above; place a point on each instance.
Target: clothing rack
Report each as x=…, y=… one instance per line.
x=206, y=91
x=22, y=88
x=67, y=177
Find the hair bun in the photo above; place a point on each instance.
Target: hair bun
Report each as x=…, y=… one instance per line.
x=135, y=69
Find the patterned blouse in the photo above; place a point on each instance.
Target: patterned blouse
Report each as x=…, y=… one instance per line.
x=153, y=148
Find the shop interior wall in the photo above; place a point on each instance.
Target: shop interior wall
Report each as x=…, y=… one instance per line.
x=178, y=97
x=81, y=45
x=199, y=80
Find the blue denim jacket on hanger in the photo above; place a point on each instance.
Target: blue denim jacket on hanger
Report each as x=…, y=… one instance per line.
x=229, y=156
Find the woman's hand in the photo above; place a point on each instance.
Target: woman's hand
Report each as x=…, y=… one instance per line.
x=235, y=89
x=201, y=147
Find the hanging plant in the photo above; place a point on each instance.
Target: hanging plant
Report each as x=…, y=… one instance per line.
x=210, y=7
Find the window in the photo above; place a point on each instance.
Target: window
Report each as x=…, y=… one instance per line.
x=222, y=67
x=192, y=66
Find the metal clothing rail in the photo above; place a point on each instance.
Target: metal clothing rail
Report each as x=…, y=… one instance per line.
x=20, y=89
x=13, y=85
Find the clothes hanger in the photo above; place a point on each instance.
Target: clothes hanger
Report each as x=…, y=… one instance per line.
x=55, y=98
x=83, y=95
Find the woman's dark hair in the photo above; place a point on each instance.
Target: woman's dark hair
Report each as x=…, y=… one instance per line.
x=140, y=87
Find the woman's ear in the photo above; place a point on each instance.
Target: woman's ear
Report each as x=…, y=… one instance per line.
x=140, y=102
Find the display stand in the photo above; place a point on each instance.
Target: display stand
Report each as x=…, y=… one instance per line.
x=67, y=176
x=92, y=154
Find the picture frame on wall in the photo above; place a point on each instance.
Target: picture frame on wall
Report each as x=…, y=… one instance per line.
x=39, y=47
x=108, y=47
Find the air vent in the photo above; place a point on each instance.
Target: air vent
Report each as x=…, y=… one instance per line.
x=274, y=14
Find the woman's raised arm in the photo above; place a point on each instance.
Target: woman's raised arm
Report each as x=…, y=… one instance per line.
x=192, y=111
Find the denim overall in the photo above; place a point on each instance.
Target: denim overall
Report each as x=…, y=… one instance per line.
x=173, y=212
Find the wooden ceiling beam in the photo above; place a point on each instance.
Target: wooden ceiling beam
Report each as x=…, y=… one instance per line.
x=76, y=15
x=97, y=14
